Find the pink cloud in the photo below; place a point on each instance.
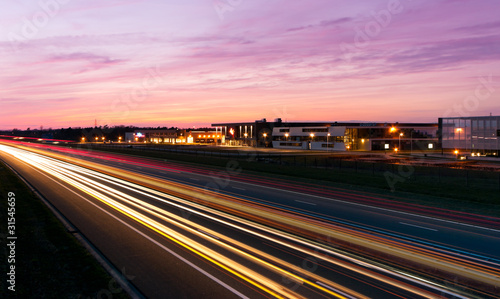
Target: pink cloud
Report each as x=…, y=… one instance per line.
x=261, y=57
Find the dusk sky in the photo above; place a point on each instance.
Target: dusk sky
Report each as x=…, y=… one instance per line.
x=195, y=62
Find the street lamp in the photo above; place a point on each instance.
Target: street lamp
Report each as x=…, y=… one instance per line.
x=459, y=130
x=265, y=139
x=96, y=138
x=327, y=148
x=400, y=134
x=119, y=139
x=286, y=136
x=83, y=139
x=456, y=153
x=245, y=138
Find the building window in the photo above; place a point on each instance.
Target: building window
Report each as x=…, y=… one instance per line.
x=386, y=146
x=315, y=130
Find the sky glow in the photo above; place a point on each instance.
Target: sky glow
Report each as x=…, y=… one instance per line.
x=192, y=63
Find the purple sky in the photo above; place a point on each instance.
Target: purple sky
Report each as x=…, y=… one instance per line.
x=193, y=62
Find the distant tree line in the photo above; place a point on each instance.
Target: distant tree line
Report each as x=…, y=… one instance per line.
x=76, y=133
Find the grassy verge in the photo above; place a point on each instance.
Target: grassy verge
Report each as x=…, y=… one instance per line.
x=49, y=262
x=444, y=188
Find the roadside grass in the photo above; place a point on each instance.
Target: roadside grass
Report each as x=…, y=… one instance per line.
x=49, y=261
x=455, y=189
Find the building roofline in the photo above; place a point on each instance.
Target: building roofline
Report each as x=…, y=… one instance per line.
x=469, y=117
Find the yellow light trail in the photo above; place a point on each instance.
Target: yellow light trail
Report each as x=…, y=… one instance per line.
x=210, y=255
x=295, y=221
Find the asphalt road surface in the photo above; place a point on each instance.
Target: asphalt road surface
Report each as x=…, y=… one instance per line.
x=188, y=231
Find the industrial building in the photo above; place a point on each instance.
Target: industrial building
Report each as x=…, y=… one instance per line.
x=175, y=136
x=334, y=136
x=478, y=135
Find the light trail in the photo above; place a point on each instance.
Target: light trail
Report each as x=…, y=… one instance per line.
x=78, y=177
x=254, y=278
x=261, y=228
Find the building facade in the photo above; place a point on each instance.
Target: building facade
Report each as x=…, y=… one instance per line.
x=334, y=136
x=474, y=135
x=357, y=136
x=258, y=133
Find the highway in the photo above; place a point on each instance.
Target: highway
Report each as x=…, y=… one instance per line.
x=188, y=231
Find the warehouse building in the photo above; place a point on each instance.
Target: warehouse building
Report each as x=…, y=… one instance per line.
x=333, y=136
x=478, y=135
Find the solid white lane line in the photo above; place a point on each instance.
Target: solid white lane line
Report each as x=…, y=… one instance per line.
x=309, y=203
x=422, y=227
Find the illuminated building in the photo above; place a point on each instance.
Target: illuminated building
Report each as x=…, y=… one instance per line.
x=478, y=135
x=334, y=136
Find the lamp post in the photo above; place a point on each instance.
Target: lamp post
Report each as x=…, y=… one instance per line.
x=392, y=130
x=312, y=136
x=327, y=148
x=83, y=139
x=265, y=139
x=246, y=135
x=459, y=130
x=400, y=134
x=286, y=136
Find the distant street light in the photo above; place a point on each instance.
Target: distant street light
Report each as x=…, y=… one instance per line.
x=246, y=135
x=327, y=148
x=400, y=134
x=286, y=136
x=83, y=139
